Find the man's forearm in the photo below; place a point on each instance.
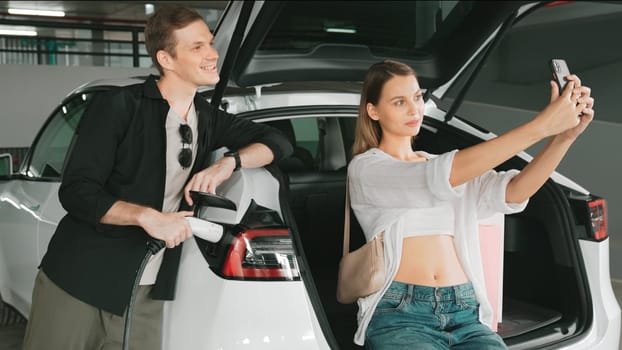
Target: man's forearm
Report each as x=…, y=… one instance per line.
x=256, y=155
x=126, y=214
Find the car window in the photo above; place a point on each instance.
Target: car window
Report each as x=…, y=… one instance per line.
x=320, y=143
x=50, y=151
x=306, y=134
x=5, y=165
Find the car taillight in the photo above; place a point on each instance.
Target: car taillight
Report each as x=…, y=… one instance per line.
x=265, y=254
x=598, y=218
x=557, y=3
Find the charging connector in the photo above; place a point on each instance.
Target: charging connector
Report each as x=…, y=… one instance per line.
x=204, y=229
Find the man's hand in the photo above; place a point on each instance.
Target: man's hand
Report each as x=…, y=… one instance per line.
x=208, y=179
x=172, y=228
x=254, y=155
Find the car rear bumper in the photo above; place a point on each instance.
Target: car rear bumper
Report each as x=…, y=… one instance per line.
x=604, y=333
x=210, y=312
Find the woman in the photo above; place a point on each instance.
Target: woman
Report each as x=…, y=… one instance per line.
x=428, y=206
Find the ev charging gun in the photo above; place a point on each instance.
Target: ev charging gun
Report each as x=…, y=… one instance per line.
x=204, y=229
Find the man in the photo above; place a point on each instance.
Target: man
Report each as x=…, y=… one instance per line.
x=140, y=150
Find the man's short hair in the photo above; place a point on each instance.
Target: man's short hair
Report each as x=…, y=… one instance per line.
x=160, y=26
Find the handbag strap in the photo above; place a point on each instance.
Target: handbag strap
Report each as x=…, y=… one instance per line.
x=346, y=222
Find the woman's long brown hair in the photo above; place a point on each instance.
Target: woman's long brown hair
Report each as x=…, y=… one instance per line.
x=368, y=132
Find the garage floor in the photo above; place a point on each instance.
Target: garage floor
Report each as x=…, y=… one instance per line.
x=11, y=337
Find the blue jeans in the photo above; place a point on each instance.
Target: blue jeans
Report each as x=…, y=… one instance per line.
x=417, y=317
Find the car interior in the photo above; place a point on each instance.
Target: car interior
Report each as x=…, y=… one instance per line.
x=541, y=294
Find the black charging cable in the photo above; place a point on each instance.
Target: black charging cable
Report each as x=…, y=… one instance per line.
x=153, y=246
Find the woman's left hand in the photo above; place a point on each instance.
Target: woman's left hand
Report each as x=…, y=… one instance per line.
x=585, y=101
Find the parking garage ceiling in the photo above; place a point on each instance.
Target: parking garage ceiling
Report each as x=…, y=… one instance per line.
x=119, y=12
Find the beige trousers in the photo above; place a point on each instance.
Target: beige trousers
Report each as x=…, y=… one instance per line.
x=60, y=321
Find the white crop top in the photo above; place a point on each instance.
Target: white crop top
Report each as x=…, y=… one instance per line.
x=429, y=221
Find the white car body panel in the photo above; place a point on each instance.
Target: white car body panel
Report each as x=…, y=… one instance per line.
x=214, y=313
x=259, y=101
x=243, y=314
x=605, y=330
x=21, y=203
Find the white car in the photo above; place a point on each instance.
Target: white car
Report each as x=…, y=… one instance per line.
x=269, y=282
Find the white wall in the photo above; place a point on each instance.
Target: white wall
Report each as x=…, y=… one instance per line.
x=29, y=93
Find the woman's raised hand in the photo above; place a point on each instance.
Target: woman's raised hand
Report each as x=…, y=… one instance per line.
x=586, y=103
x=563, y=111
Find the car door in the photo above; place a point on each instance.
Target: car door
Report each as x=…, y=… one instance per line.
x=29, y=206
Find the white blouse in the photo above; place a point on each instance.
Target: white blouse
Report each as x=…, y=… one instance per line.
x=384, y=194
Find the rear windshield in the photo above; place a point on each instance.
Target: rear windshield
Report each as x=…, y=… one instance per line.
x=396, y=26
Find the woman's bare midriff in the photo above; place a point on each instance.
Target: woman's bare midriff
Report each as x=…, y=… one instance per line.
x=430, y=261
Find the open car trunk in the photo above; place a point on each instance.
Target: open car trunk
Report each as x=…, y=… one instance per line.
x=543, y=289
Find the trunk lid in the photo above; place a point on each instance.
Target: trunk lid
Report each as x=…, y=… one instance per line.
x=280, y=41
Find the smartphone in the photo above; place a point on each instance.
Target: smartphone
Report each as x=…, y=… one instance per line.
x=560, y=72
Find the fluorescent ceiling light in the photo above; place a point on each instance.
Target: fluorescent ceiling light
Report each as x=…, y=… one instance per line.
x=18, y=30
x=340, y=30
x=37, y=12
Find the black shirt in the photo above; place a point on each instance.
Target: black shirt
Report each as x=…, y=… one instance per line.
x=120, y=154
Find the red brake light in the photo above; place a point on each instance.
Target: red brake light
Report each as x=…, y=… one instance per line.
x=266, y=254
x=557, y=3
x=598, y=218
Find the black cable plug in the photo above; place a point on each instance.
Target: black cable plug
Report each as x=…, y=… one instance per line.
x=155, y=245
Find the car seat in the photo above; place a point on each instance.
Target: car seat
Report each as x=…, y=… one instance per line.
x=301, y=159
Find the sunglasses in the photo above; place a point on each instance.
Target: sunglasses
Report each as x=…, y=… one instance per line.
x=185, y=155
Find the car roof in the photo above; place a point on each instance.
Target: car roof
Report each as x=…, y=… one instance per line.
x=104, y=84
x=339, y=40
